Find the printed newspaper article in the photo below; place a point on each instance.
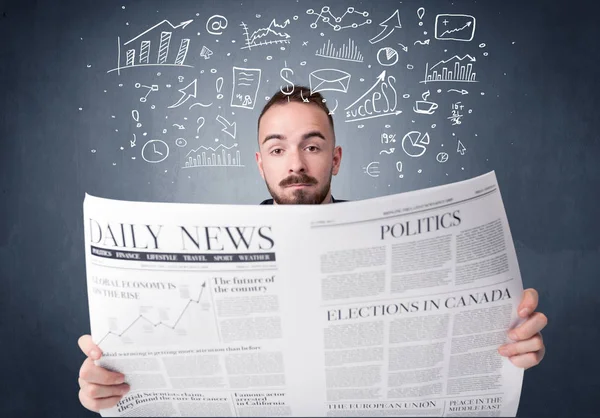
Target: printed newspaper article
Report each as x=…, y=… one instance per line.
x=392, y=306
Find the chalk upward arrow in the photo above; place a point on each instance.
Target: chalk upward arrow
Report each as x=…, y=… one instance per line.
x=379, y=80
x=182, y=25
x=387, y=28
x=227, y=125
x=188, y=91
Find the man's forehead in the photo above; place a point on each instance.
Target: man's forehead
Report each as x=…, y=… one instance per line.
x=294, y=118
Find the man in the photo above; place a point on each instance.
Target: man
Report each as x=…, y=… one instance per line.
x=297, y=158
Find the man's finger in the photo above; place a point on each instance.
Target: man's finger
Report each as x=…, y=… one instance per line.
x=529, y=328
x=96, y=374
x=522, y=347
x=93, y=391
x=88, y=347
x=529, y=303
x=96, y=405
x=528, y=360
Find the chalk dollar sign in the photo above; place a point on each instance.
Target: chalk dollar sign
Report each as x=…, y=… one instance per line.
x=284, y=75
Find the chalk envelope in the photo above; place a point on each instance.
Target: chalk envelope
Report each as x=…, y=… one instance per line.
x=329, y=80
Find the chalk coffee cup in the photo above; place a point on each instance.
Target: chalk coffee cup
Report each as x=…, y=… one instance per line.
x=423, y=106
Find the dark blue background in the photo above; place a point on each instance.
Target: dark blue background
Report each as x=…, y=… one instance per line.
x=538, y=128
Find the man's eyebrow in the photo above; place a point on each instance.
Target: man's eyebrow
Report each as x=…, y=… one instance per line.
x=305, y=136
x=313, y=133
x=273, y=136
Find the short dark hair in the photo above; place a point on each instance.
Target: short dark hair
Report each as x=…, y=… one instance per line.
x=300, y=94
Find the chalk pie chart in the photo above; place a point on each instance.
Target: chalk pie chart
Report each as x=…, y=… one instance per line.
x=415, y=144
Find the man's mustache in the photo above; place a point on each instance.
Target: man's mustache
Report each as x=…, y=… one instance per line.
x=301, y=179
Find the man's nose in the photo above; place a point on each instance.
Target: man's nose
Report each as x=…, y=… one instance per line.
x=296, y=163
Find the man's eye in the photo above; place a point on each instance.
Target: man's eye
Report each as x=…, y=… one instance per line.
x=312, y=148
x=276, y=151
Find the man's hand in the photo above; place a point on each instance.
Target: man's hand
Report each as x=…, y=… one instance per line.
x=99, y=388
x=528, y=349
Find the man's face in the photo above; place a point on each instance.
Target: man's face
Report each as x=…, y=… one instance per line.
x=297, y=156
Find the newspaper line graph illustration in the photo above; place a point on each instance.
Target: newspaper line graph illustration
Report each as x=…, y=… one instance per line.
x=144, y=319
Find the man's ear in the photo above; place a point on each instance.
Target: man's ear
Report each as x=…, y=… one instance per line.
x=337, y=160
x=258, y=158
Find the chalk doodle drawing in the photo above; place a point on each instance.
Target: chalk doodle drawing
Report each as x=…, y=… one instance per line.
x=211, y=157
x=454, y=27
x=132, y=143
x=205, y=52
x=399, y=169
x=388, y=139
x=425, y=107
x=463, y=91
x=425, y=42
x=456, y=116
x=153, y=87
x=387, y=56
x=329, y=79
x=145, y=55
x=372, y=169
x=388, y=152
x=347, y=52
x=246, y=82
x=219, y=86
x=284, y=73
x=366, y=106
x=188, y=91
x=332, y=111
x=442, y=157
x=389, y=25
x=415, y=144
x=180, y=142
x=451, y=70
x=328, y=19
x=228, y=128
x=420, y=14
x=404, y=48
x=136, y=117
x=461, y=149
x=270, y=35
x=178, y=126
x=155, y=151
x=216, y=24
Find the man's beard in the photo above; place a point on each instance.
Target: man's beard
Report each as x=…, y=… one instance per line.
x=301, y=196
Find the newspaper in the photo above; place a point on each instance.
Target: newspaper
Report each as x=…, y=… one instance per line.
x=392, y=306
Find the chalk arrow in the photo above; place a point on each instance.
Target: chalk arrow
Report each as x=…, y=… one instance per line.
x=188, y=91
x=463, y=92
x=182, y=25
x=387, y=28
x=404, y=48
x=380, y=78
x=227, y=126
x=461, y=148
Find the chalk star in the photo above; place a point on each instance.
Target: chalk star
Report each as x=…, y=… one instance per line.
x=445, y=22
x=305, y=43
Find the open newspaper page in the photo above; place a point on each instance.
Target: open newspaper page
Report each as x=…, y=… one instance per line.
x=389, y=306
x=188, y=302
x=417, y=292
